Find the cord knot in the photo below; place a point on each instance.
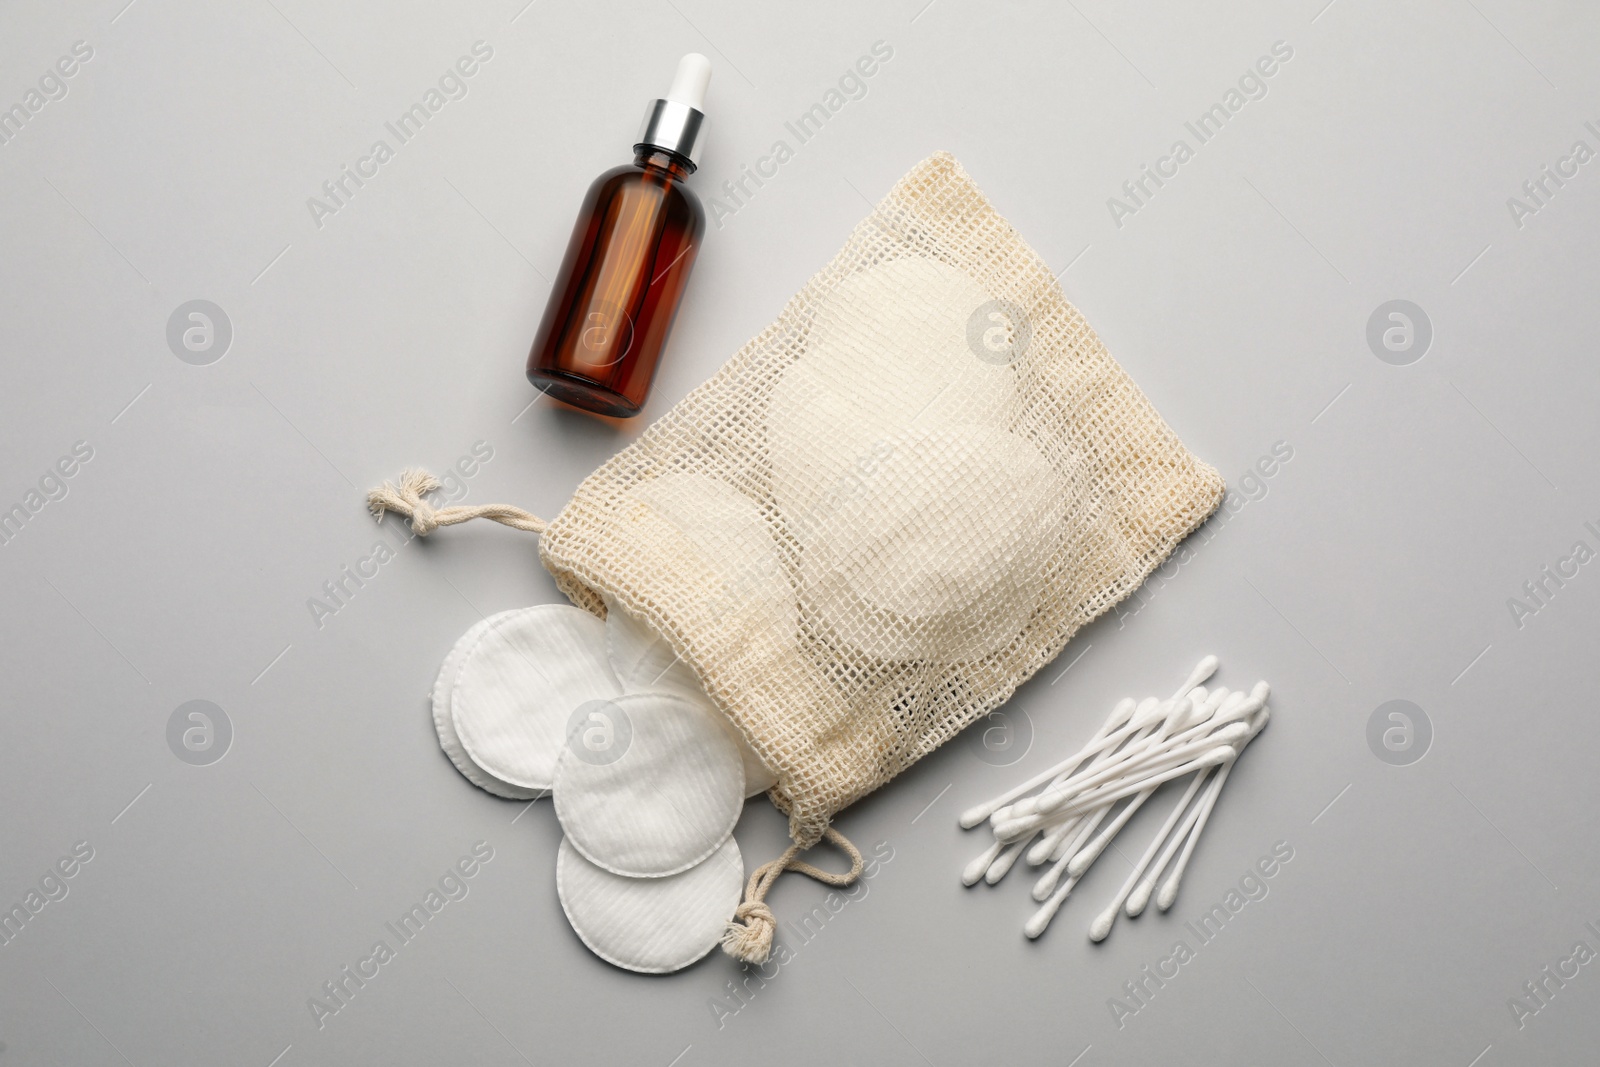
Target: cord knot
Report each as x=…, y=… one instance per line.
x=408, y=499
x=748, y=937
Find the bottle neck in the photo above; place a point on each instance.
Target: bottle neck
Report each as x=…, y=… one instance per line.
x=649, y=157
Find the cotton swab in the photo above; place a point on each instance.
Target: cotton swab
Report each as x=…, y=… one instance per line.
x=1047, y=882
x=1069, y=814
x=1091, y=852
x=1004, y=862
x=1047, y=844
x=1169, y=891
x=1041, y=918
x=1141, y=721
x=1155, y=762
x=1124, y=718
x=979, y=812
x=1115, y=791
x=1141, y=895
x=1102, y=926
x=1088, y=855
x=1041, y=851
x=1205, y=714
x=980, y=864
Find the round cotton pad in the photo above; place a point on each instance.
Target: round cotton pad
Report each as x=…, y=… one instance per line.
x=891, y=345
x=650, y=925
x=445, y=726
x=648, y=784
x=642, y=659
x=938, y=556
x=519, y=684
x=716, y=541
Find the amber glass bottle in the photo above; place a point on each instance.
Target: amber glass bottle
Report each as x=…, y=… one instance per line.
x=630, y=255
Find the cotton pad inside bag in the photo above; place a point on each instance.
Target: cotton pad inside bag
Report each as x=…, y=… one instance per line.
x=838, y=674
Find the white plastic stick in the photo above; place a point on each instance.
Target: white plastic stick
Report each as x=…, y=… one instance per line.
x=1041, y=850
x=1069, y=848
x=1126, y=724
x=1102, y=925
x=1169, y=891
x=1141, y=894
x=1047, y=883
x=1228, y=735
x=979, y=812
x=1097, y=754
x=1116, y=791
x=1041, y=918
x=1086, y=855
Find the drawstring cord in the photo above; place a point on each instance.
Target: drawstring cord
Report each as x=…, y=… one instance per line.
x=748, y=937
x=406, y=499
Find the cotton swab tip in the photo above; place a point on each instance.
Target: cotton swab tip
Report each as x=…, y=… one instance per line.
x=980, y=864
x=1041, y=918
x=1168, y=894
x=1202, y=670
x=1008, y=832
x=1041, y=850
x=1234, y=731
x=974, y=815
x=1139, y=898
x=1083, y=860
x=1102, y=925
x=1003, y=864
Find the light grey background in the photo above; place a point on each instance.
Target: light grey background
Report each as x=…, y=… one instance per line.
x=1377, y=565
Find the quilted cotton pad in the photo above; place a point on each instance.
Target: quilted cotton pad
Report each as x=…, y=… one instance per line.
x=520, y=683
x=445, y=726
x=877, y=361
x=651, y=925
x=648, y=784
x=938, y=555
x=642, y=659
x=719, y=539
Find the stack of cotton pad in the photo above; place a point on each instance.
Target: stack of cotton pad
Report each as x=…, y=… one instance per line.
x=648, y=776
x=923, y=520
x=1196, y=733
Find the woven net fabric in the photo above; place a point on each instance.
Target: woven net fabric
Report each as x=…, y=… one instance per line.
x=893, y=506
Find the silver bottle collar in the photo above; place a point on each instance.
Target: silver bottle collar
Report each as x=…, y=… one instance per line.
x=673, y=127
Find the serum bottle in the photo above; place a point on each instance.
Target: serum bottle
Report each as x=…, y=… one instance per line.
x=629, y=258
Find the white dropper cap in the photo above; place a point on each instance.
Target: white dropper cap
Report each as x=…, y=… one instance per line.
x=690, y=83
x=676, y=122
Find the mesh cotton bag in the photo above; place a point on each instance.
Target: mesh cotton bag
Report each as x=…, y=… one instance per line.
x=884, y=513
